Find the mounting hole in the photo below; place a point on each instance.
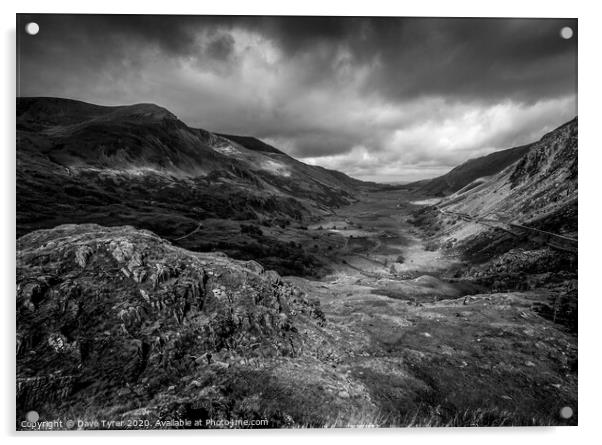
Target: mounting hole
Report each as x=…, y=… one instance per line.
x=566, y=32
x=566, y=412
x=32, y=28
x=32, y=416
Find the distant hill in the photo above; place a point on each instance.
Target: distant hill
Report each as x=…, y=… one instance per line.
x=470, y=171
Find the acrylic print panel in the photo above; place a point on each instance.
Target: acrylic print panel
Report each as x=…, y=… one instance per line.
x=274, y=222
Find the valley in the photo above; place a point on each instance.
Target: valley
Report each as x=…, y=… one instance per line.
x=403, y=342
x=412, y=333
x=166, y=273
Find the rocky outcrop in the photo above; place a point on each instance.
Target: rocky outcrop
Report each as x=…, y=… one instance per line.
x=109, y=310
x=541, y=183
x=555, y=152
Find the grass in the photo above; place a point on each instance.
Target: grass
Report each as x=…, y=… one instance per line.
x=421, y=417
x=429, y=417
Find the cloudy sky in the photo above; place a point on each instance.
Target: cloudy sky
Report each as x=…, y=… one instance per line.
x=384, y=99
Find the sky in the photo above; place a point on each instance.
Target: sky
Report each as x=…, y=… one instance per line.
x=381, y=99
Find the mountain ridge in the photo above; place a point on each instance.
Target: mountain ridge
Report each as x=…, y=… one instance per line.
x=475, y=169
x=62, y=118
x=538, y=183
x=140, y=165
x=63, y=139
x=530, y=206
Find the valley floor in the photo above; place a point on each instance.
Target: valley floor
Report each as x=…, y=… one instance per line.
x=438, y=350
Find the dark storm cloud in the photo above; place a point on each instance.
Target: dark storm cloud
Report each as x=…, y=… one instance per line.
x=479, y=58
x=361, y=94
x=171, y=34
x=221, y=48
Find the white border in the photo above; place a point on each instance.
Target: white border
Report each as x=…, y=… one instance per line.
x=590, y=163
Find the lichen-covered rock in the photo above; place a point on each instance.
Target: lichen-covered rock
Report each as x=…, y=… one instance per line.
x=114, y=308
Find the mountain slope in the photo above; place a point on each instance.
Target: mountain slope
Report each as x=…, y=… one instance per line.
x=518, y=229
x=330, y=178
x=471, y=170
x=145, y=138
x=139, y=165
x=251, y=143
x=540, y=184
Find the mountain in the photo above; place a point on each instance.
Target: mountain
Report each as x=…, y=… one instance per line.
x=535, y=188
x=140, y=165
x=331, y=178
x=145, y=139
x=477, y=169
x=517, y=229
